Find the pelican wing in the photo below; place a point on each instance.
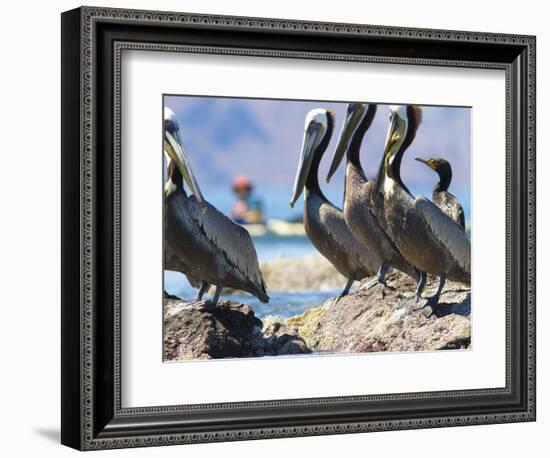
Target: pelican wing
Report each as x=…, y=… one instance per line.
x=173, y=263
x=233, y=240
x=446, y=231
x=334, y=223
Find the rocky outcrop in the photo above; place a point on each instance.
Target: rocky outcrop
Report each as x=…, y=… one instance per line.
x=231, y=330
x=387, y=318
x=381, y=318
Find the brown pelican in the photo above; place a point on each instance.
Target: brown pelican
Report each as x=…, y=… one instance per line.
x=448, y=203
x=324, y=223
x=425, y=236
x=173, y=263
x=210, y=247
x=359, y=213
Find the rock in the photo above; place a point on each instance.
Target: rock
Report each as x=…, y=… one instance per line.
x=231, y=330
x=379, y=318
x=280, y=338
x=310, y=273
x=384, y=318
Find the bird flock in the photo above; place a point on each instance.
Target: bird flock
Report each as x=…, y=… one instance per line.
x=381, y=226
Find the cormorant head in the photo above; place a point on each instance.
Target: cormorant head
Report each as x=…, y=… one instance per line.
x=173, y=148
x=358, y=120
x=442, y=167
x=316, y=132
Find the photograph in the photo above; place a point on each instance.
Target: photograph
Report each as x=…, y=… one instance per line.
x=312, y=227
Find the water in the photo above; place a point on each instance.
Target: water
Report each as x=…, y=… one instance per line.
x=283, y=304
x=276, y=199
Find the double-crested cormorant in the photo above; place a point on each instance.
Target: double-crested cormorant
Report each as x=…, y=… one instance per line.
x=211, y=247
x=448, y=203
x=324, y=223
x=360, y=214
x=426, y=237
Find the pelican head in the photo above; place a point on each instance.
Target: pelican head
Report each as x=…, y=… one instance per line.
x=358, y=120
x=316, y=129
x=404, y=121
x=173, y=147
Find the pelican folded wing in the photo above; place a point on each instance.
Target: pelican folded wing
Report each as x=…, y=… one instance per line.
x=233, y=240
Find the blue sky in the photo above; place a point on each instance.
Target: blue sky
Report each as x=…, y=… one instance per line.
x=260, y=138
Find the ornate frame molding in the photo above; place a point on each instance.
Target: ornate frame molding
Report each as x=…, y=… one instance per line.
x=89, y=433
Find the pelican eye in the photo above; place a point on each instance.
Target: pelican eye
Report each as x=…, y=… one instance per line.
x=170, y=126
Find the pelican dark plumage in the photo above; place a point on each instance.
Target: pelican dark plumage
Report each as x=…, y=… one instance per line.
x=173, y=263
x=448, y=203
x=324, y=223
x=426, y=237
x=209, y=247
x=360, y=214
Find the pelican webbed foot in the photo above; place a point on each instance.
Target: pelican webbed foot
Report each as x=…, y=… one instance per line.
x=204, y=305
x=431, y=303
x=380, y=278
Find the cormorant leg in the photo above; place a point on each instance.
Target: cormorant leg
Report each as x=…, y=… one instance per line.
x=202, y=289
x=381, y=276
x=420, y=285
x=216, y=297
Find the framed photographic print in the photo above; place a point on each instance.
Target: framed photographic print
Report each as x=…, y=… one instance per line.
x=277, y=228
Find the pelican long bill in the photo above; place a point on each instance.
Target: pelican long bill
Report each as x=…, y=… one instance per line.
x=174, y=148
x=394, y=140
x=312, y=138
x=353, y=118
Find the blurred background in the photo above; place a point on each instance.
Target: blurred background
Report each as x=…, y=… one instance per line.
x=245, y=152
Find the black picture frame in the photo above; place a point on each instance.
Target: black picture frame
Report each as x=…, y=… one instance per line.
x=92, y=40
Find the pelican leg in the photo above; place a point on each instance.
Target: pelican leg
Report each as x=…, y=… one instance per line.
x=380, y=277
x=420, y=286
x=345, y=292
x=430, y=306
x=434, y=300
x=202, y=289
x=214, y=301
x=351, y=279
